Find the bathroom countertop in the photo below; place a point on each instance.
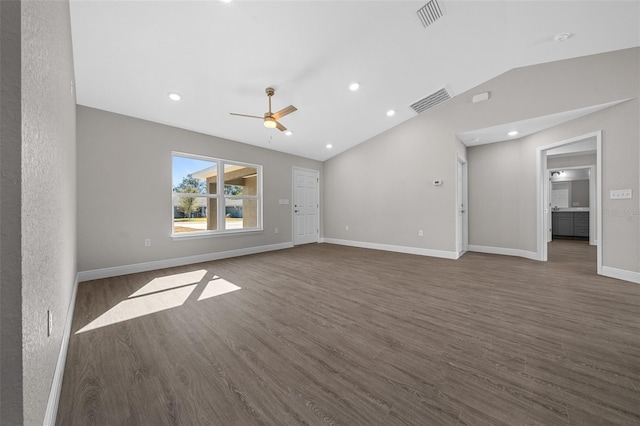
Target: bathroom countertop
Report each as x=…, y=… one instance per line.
x=571, y=209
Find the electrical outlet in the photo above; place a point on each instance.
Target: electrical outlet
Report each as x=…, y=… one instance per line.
x=346, y=227
x=276, y=230
x=49, y=323
x=420, y=233
x=147, y=242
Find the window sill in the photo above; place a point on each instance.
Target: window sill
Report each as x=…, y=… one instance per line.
x=205, y=234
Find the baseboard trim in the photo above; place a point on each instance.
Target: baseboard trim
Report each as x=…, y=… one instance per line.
x=505, y=251
x=96, y=274
x=56, y=384
x=399, y=249
x=621, y=274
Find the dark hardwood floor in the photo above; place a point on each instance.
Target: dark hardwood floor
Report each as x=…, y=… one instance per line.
x=324, y=334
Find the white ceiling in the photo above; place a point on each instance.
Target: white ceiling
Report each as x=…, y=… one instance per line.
x=129, y=55
x=527, y=127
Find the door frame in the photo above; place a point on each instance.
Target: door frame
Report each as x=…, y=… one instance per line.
x=293, y=199
x=462, y=233
x=542, y=196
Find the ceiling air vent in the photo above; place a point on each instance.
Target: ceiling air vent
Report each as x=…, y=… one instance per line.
x=430, y=101
x=429, y=13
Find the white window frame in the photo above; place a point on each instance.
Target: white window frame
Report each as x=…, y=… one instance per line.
x=221, y=197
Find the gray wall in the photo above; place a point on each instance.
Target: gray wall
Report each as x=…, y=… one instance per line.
x=37, y=220
x=382, y=189
x=571, y=84
x=124, y=190
x=571, y=161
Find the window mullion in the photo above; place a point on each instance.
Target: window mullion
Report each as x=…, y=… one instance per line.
x=221, y=201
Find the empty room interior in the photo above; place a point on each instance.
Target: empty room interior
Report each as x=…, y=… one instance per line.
x=320, y=212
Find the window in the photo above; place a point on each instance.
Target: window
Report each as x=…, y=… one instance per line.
x=212, y=196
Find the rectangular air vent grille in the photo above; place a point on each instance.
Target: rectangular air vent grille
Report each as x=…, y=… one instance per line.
x=429, y=13
x=430, y=101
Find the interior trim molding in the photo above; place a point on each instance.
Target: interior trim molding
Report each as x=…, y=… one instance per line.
x=180, y=261
x=56, y=385
x=621, y=274
x=400, y=249
x=505, y=251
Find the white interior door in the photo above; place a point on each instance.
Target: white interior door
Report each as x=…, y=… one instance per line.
x=462, y=241
x=305, y=206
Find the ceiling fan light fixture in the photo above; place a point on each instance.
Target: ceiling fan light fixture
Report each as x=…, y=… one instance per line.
x=270, y=123
x=270, y=119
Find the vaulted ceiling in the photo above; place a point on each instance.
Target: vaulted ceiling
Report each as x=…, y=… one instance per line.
x=220, y=56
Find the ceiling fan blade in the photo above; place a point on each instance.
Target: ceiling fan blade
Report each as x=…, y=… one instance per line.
x=245, y=115
x=280, y=127
x=284, y=111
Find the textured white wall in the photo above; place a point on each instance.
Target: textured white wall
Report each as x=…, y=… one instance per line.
x=124, y=190
x=48, y=194
x=10, y=199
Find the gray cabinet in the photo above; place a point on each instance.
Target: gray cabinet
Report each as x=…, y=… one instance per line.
x=581, y=224
x=570, y=224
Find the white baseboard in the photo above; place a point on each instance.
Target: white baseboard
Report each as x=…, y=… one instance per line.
x=56, y=384
x=505, y=251
x=621, y=274
x=388, y=247
x=169, y=263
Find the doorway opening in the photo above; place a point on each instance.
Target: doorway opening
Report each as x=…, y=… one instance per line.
x=569, y=191
x=571, y=197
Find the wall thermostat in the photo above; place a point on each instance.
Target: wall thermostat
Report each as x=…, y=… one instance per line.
x=437, y=182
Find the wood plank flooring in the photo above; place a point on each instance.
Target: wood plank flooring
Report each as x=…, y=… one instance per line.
x=330, y=335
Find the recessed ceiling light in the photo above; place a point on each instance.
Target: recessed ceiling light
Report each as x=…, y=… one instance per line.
x=226, y=1
x=329, y=146
x=561, y=36
x=391, y=113
x=288, y=133
x=354, y=86
x=174, y=96
x=513, y=133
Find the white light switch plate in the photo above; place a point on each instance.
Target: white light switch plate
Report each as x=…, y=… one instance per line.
x=620, y=194
x=283, y=201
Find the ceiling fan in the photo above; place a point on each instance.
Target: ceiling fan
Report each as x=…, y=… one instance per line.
x=271, y=119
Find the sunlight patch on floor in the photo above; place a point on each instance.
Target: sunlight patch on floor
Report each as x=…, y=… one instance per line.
x=141, y=306
x=171, y=281
x=159, y=294
x=216, y=287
